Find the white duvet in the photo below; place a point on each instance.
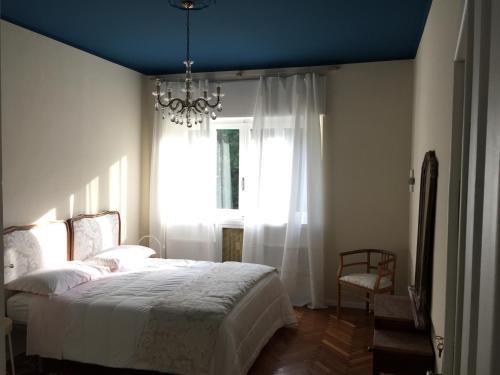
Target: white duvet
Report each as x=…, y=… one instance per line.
x=174, y=316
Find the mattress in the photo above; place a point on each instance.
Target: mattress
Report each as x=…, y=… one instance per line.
x=18, y=307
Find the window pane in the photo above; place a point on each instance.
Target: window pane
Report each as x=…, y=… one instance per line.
x=228, y=165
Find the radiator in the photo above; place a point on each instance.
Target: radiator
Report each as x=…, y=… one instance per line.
x=232, y=244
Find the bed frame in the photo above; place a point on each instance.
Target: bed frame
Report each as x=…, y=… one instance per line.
x=83, y=235
x=31, y=247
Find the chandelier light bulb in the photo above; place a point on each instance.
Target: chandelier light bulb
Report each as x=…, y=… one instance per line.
x=219, y=107
x=213, y=115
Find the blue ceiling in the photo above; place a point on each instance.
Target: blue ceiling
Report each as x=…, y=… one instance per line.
x=149, y=35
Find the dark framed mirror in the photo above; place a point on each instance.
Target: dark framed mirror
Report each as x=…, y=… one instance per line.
x=421, y=290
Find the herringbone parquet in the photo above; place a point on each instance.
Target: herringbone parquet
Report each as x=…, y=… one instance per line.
x=320, y=344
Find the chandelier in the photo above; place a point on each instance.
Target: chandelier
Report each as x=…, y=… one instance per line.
x=188, y=108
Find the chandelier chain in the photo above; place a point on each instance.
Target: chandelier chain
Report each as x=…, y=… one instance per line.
x=187, y=33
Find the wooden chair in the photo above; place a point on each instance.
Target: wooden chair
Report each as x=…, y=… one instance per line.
x=382, y=281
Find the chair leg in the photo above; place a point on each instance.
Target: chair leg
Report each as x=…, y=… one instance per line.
x=338, y=300
x=367, y=303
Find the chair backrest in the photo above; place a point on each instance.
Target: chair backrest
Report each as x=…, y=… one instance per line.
x=386, y=255
x=386, y=259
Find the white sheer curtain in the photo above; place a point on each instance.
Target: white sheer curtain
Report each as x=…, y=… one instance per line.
x=182, y=189
x=284, y=226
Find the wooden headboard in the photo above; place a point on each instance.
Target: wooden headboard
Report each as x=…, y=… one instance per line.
x=30, y=247
x=90, y=234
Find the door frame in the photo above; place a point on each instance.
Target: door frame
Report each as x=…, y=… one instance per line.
x=473, y=271
x=473, y=293
x=457, y=191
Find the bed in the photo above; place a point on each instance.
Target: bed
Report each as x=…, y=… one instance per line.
x=168, y=315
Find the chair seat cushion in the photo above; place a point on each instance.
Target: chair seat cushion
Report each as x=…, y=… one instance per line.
x=366, y=280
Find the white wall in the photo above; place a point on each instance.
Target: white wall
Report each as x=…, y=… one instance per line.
x=367, y=158
x=431, y=130
x=71, y=125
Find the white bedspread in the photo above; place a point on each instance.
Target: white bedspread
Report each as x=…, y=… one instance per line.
x=173, y=316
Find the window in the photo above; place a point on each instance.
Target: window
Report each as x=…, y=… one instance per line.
x=228, y=168
x=231, y=136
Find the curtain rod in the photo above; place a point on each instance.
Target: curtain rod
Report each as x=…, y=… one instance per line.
x=242, y=75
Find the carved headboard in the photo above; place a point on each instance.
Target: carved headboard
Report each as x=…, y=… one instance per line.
x=91, y=234
x=28, y=248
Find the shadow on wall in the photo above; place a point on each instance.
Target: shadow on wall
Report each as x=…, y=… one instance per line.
x=107, y=191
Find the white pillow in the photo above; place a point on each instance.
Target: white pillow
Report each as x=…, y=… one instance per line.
x=122, y=258
x=54, y=281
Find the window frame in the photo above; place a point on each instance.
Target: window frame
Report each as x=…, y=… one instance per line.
x=230, y=216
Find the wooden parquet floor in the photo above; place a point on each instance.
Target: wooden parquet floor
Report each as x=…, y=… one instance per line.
x=320, y=344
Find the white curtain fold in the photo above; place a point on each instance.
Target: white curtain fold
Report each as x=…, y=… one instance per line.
x=182, y=199
x=284, y=225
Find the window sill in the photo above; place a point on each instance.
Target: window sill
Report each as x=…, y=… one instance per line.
x=230, y=218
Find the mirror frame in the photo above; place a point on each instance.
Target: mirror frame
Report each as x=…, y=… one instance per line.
x=421, y=290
